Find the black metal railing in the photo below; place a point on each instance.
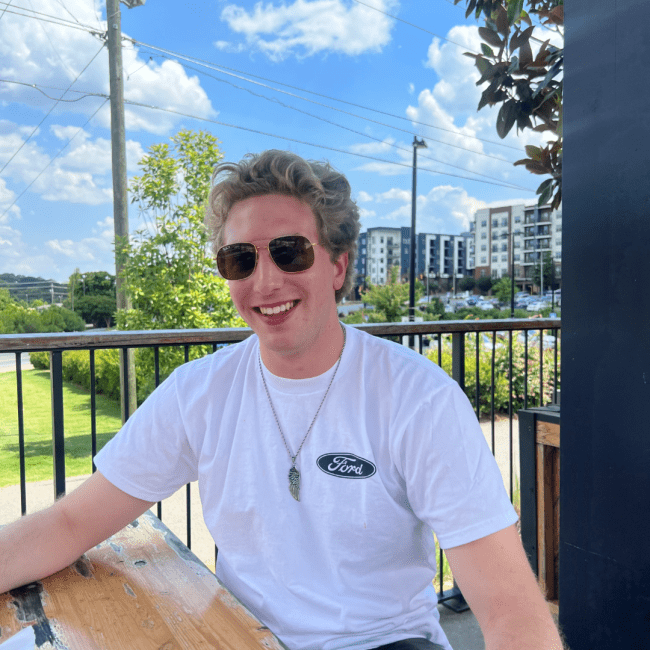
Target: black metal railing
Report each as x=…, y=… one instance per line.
x=460, y=347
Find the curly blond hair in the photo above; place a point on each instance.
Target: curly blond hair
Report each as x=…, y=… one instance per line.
x=317, y=184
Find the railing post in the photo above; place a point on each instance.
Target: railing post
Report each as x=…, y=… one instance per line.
x=458, y=358
x=453, y=598
x=58, y=441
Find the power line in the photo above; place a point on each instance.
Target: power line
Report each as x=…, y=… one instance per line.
x=54, y=158
x=361, y=117
x=320, y=146
x=51, y=109
x=366, y=135
x=422, y=29
x=223, y=68
x=492, y=181
x=47, y=18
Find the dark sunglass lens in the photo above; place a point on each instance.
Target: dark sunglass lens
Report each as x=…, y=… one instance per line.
x=292, y=254
x=236, y=261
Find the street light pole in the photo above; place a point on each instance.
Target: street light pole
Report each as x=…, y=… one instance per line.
x=512, y=274
x=416, y=143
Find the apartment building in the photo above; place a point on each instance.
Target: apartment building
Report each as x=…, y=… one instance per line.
x=516, y=236
x=442, y=257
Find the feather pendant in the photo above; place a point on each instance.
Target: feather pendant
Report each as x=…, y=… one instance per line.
x=294, y=483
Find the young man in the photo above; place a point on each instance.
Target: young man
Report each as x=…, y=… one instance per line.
x=325, y=456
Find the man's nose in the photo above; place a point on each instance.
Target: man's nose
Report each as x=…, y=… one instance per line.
x=267, y=274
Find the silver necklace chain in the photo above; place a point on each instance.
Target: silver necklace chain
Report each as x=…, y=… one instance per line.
x=294, y=474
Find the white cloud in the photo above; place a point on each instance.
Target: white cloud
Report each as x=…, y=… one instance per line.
x=81, y=174
x=411, y=89
x=46, y=54
x=393, y=194
x=373, y=148
x=363, y=197
x=445, y=209
x=89, y=249
x=307, y=28
x=7, y=197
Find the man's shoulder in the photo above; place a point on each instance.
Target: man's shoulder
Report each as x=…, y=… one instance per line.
x=223, y=360
x=390, y=359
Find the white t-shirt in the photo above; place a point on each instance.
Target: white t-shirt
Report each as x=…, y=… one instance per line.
x=396, y=452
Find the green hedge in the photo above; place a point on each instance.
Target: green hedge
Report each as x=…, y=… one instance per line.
x=76, y=368
x=520, y=387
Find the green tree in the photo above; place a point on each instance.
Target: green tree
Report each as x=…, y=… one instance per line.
x=550, y=273
x=169, y=273
x=467, y=284
x=528, y=85
x=484, y=284
x=391, y=299
x=92, y=296
x=503, y=289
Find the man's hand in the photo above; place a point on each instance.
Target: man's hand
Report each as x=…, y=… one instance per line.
x=496, y=580
x=45, y=542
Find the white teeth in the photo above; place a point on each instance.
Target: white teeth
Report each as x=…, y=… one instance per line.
x=269, y=311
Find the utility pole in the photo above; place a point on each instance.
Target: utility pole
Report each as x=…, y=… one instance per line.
x=120, y=188
x=118, y=143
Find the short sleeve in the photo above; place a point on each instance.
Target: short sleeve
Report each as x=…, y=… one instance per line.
x=150, y=457
x=452, y=480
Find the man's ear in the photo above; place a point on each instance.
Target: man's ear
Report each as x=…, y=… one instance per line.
x=340, y=268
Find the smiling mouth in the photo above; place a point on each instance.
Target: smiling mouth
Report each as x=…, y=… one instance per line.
x=278, y=309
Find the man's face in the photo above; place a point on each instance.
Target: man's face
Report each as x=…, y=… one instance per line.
x=307, y=327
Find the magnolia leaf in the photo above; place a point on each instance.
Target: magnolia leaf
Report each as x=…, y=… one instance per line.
x=546, y=192
x=536, y=168
x=490, y=37
x=506, y=118
x=557, y=15
x=519, y=38
x=483, y=66
x=525, y=54
x=545, y=184
x=515, y=7
x=502, y=21
x=523, y=161
x=487, y=50
x=533, y=152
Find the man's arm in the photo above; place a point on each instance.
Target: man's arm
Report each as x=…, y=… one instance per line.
x=45, y=542
x=496, y=580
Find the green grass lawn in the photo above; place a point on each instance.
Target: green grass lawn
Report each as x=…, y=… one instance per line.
x=37, y=417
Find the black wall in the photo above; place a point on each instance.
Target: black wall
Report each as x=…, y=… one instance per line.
x=605, y=418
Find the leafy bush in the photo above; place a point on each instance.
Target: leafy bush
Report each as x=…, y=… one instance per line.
x=40, y=360
x=521, y=386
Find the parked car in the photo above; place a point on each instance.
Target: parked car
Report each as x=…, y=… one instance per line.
x=536, y=306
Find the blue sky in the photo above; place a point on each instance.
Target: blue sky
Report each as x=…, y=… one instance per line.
x=337, y=78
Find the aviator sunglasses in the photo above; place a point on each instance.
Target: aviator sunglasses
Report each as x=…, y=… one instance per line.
x=291, y=254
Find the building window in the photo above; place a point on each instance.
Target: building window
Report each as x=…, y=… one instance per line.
x=504, y=258
x=483, y=223
x=484, y=260
x=483, y=235
x=495, y=248
x=483, y=247
x=504, y=247
x=495, y=223
x=517, y=257
x=558, y=228
x=504, y=221
x=517, y=219
x=558, y=256
x=381, y=241
x=495, y=259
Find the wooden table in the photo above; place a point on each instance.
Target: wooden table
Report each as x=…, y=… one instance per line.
x=142, y=588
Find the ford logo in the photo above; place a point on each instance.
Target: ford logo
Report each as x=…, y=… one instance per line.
x=346, y=465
